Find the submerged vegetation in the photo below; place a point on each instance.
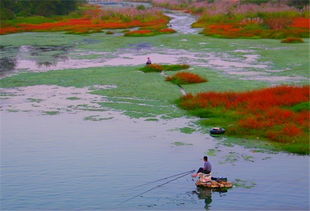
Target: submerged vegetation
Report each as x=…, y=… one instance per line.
x=280, y=114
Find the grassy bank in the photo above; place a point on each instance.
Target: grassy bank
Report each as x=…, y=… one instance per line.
x=279, y=114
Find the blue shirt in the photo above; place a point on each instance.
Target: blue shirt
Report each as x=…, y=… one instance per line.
x=207, y=166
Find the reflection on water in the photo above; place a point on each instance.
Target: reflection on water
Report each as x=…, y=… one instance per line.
x=11, y=58
x=206, y=195
x=119, y=4
x=7, y=64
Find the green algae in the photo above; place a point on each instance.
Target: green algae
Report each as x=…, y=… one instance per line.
x=240, y=183
x=97, y=118
x=187, y=130
x=178, y=143
x=13, y=110
x=212, y=152
x=151, y=120
x=161, y=102
x=35, y=100
x=50, y=112
x=73, y=98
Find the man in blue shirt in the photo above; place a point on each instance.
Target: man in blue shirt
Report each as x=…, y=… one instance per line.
x=206, y=167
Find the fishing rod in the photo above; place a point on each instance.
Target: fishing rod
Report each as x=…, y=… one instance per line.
x=157, y=186
x=191, y=171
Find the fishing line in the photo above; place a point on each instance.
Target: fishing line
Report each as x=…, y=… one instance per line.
x=157, y=186
x=163, y=179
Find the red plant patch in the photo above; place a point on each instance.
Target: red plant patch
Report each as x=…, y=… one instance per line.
x=292, y=40
x=95, y=19
x=167, y=30
x=185, y=78
x=265, y=112
x=301, y=23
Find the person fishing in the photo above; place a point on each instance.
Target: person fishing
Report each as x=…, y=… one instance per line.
x=206, y=169
x=148, y=62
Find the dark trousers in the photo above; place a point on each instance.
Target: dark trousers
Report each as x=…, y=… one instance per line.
x=201, y=170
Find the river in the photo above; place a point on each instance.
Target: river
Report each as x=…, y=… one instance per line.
x=57, y=156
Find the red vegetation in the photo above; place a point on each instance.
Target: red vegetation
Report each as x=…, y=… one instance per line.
x=265, y=112
x=167, y=30
x=301, y=23
x=185, y=78
x=292, y=40
x=94, y=20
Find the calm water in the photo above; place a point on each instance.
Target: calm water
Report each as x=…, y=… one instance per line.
x=64, y=162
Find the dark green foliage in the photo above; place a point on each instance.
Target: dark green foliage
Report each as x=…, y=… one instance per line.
x=141, y=7
x=298, y=3
x=254, y=1
x=12, y=8
x=305, y=106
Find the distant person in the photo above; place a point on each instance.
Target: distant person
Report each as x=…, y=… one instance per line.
x=148, y=62
x=206, y=167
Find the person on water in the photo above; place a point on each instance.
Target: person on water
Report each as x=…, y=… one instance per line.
x=148, y=62
x=206, y=169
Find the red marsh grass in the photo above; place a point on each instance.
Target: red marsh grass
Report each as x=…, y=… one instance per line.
x=93, y=19
x=279, y=114
x=185, y=78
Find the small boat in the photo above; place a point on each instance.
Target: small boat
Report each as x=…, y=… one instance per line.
x=216, y=184
x=217, y=131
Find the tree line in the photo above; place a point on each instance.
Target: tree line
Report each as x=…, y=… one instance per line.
x=9, y=9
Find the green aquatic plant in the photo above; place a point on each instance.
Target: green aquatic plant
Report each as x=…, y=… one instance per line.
x=50, y=112
x=73, y=98
x=164, y=67
x=178, y=143
x=187, y=130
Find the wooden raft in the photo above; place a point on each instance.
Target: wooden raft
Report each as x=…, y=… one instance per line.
x=214, y=184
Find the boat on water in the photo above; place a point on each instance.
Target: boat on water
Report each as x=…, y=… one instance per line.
x=206, y=181
x=214, y=184
x=217, y=131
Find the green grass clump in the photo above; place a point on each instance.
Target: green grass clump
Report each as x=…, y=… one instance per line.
x=305, y=106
